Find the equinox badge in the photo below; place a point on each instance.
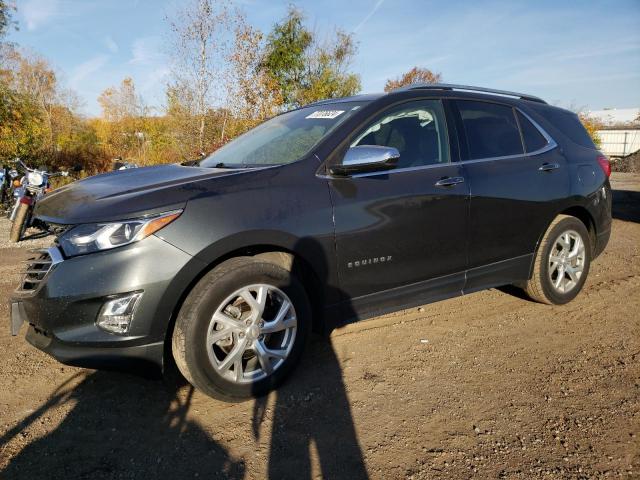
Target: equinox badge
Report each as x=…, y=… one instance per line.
x=369, y=261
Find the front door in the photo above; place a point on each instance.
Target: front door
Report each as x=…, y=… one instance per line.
x=408, y=225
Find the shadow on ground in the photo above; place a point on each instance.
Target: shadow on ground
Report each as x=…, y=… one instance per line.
x=626, y=205
x=120, y=426
x=125, y=426
x=312, y=411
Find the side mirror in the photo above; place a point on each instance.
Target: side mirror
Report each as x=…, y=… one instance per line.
x=366, y=158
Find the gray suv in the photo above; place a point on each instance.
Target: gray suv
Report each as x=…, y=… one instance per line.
x=333, y=212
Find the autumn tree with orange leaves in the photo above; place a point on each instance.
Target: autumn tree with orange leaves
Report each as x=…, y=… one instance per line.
x=415, y=75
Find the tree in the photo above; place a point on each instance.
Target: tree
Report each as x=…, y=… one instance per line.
x=326, y=74
x=201, y=32
x=121, y=129
x=252, y=94
x=285, y=56
x=33, y=76
x=6, y=22
x=22, y=128
x=415, y=75
x=121, y=103
x=304, y=69
x=592, y=126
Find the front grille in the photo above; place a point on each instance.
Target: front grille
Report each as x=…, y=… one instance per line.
x=37, y=269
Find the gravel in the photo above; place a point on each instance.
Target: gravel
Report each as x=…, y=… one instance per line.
x=34, y=238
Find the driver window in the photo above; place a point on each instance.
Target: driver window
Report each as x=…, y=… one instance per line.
x=416, y=129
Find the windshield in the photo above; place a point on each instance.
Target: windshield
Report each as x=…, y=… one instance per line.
x=283, y=139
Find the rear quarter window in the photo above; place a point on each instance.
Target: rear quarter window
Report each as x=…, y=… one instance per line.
x=570, y=125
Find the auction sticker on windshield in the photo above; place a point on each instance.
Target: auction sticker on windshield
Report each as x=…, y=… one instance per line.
x=329, y=114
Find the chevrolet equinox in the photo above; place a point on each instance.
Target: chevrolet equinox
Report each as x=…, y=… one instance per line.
x=336, y=211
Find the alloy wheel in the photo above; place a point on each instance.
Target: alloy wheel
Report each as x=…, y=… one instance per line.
x=251, y=333
x=566, y=261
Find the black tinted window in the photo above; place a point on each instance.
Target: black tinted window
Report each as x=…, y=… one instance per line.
x=490, y=128
x=417, y=129
x=569, y=124
x=533, y=139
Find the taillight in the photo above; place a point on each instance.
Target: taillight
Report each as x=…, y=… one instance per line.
x=604, y=164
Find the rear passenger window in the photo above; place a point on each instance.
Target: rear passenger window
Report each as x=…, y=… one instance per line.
x=491, y=129
x=533, y=139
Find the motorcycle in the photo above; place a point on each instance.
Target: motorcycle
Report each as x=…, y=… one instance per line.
x=8, y=180
x=33, y=186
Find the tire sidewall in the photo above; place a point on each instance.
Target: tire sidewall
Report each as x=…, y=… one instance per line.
x=212, y=291
x=550, y=292
x=19, y=222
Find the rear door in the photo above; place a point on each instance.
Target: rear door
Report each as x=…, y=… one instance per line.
x=517, y=179
x=407, y=225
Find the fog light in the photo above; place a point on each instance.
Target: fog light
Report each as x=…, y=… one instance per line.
x=116, y=314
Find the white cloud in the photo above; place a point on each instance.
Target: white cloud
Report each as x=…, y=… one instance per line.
x=86, y=68
x=38, y=12
x=111, y=44
x=145, y=50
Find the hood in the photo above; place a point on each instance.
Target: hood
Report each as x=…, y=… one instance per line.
x=127, y=194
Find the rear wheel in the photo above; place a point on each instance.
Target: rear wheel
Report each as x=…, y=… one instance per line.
x=562, y=262
x=242, y=329
x=20, y=222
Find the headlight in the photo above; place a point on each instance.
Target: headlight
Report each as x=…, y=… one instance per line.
x=34, y=178
x=93, y=237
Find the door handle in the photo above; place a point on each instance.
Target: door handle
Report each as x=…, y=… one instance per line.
x=547, y=167
x=449, y=181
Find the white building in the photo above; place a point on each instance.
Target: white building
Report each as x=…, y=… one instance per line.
x=616, y=116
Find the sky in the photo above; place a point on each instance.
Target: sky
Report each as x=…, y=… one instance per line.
x=578, y=54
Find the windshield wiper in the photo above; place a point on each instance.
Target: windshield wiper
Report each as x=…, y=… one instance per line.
x=236, y=165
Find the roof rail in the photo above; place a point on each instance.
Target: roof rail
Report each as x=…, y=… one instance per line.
x=448, y=86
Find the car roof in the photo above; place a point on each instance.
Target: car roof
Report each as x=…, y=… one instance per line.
x=468, y=88
x=443, y=90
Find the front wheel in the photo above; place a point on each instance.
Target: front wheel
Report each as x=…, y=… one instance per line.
x=20, y=222
x=562, y=262
x=242, y=329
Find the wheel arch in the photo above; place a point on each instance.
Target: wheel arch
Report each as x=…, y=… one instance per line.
x=582, y=214
x=273, y=253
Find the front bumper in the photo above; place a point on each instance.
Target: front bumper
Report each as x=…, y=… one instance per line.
x=141, y=358
x=61, y=311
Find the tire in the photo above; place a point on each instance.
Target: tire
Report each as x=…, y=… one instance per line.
x=548, y=273
x=20, y=223
x=203, y=365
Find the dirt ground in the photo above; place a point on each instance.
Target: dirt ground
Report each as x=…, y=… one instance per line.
x=490, y=385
